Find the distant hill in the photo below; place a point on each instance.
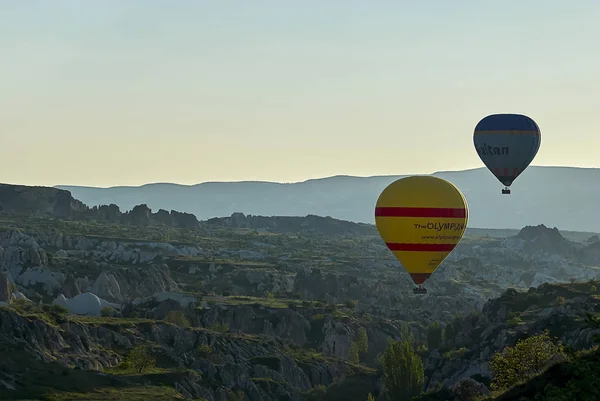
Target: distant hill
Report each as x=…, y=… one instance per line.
x=565, y=197
x=58, y=203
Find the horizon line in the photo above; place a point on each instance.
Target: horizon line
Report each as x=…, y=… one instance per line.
x=291, y=182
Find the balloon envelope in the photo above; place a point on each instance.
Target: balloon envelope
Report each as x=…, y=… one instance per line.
x=507, y=144
x=421, y=219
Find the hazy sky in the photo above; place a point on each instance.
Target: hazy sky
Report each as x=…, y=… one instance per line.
x=124, y=92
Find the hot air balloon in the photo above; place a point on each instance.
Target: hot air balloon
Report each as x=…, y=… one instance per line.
x=421, y=219
x=507, y=144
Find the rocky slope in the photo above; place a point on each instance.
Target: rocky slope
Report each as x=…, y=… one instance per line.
x=473, y=339
x=198, y=363
x=301, y=288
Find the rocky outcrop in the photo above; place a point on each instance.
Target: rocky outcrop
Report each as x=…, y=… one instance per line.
x=141, y=216
x=285, y=224
x=473, y=339
x=224, y=362
x=541, y=239
x=58, y=203
x=5, y=290
x=25, y=260
x=39, y=201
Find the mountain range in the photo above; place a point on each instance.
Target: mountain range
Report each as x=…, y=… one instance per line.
x=564, y=197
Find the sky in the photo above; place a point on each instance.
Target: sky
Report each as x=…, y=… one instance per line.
x=128, y=92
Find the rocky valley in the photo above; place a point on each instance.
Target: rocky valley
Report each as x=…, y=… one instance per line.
x=258, y=308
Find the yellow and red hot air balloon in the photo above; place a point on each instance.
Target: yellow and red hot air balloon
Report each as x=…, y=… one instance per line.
x=421, y=219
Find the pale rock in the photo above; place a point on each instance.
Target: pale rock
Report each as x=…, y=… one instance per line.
x=19, y=296
x=87, y=304
x=61, y=254
x=106, y=286
x=250, y=255
x=51, y=281
x=214, y=268
x=540, y=278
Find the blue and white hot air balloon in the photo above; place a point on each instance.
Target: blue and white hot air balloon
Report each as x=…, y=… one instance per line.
x=507, y=144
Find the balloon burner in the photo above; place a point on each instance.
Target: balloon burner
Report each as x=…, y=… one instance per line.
x=420, y=290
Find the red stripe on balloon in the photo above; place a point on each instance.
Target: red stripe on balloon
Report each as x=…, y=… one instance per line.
x=394, y=246
x=459, y=213
x=419, y=278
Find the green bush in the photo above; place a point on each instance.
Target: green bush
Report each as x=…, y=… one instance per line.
x=219, y=327
x=106, y=311
x=527, y=358
x=140, y=359
x=177, y=318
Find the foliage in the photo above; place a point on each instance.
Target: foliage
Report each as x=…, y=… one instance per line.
x=219, y=327
x=455, y=353
x=236, y=396
x=204, y=350
x=370, y=397
x=351, y=304
x=527, y=358
x=177, y=318
x=106, y=311
x=317, y=393
x=403, y=371
x=56, y=309
x=140, y=358
x=406, y=334
x=434, y=336
x=576, y=379
x=560, y=300
x=353, y=354
x=362, y=342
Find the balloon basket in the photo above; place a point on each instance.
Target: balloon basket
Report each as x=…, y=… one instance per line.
x=420, y=290
x=506, y=191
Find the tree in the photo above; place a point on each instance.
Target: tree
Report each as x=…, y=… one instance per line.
x=353, y=354
x=362, y=342
x=236, y=396
x=140, y=358
x=177, y=318
x=434, y=336
x=370, y=397
x=527, y=358
x=403, y=372
x=406, y=334
x=317, y=393
x=451, y=329
x=106, y=311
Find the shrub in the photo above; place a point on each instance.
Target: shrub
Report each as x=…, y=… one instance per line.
x=527, y=358
x=177, y=318
x=140, y=358
x=106, y=311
